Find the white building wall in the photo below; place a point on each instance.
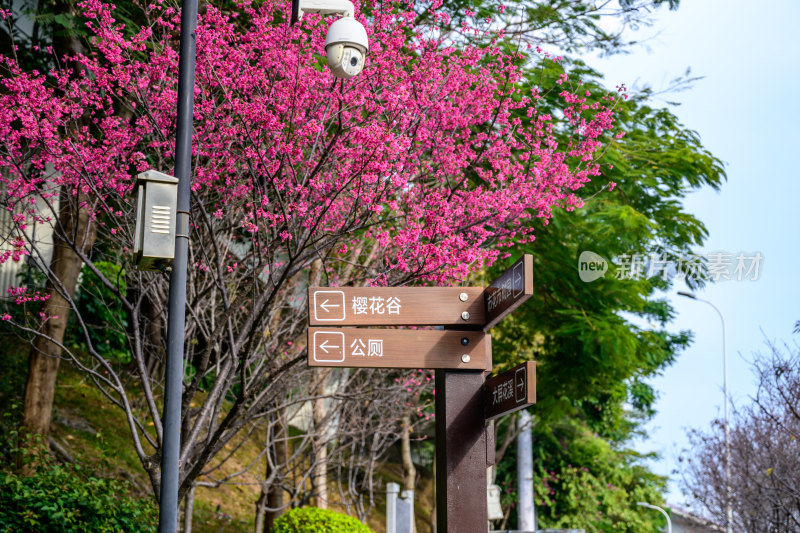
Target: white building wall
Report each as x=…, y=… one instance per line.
x=38, y=237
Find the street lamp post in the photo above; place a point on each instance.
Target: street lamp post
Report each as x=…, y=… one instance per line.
x=728, y=507
x=176, y=316
x=657, y=508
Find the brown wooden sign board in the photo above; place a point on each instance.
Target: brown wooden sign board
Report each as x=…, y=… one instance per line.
x=510, y=391
x=399, y=348
x=509, y=291
x=395, y=306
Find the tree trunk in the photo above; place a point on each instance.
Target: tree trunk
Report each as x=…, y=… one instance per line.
x=320, y=475
x=155, y=338
x=275, y=500
x=65, y=265
x=270, y=502
x=45, y=354
x=188, y=510
x=261, y=509
x=268, y=507
x=409, y=471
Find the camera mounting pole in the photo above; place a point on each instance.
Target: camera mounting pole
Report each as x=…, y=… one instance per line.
x=324, y=7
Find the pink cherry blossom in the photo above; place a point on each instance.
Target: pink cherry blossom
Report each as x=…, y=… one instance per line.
x=425, y=153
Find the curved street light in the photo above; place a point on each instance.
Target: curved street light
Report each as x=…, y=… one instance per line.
x=657, y=508
x=728, y=507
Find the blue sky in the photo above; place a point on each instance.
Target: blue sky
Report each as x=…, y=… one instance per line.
x=747, y=112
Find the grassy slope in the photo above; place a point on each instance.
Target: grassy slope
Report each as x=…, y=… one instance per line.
x=96, y=434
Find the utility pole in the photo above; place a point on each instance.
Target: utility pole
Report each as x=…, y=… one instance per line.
x=171, y=443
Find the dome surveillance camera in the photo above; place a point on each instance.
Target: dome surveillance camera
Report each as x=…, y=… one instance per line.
x=346, y=44
x=346, y=47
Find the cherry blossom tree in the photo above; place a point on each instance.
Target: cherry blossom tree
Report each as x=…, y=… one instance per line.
x=424, y=169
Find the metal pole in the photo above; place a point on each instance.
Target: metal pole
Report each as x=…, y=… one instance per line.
x=728, y=505
x=526, y=517
x=657, y=508
x=170, y=447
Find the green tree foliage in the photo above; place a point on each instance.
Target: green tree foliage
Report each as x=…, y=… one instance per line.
x=65, y=499
x=101, y=314
x=570, y=26
x=315, y=520
x=597, y=498
x=598, y=342
x=584, y=481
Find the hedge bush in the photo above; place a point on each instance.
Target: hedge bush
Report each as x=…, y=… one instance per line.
x=64, y=499
x=316, y=520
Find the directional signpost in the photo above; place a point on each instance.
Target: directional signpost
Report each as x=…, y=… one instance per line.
x=461, y=355
x=509, y=291
x=460, y=424
x=396, y=306
x=399, y=348
x=510, y=391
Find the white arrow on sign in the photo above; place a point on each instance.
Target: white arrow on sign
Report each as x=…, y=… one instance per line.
x=325, y=346
x=325, y=305
x=519, y=378
x=329, y=307
x=328, y=346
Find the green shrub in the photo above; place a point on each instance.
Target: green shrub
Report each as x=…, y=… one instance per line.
x=63, y=499
x=315, y=520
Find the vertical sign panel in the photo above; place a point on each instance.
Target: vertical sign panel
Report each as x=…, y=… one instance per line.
x=509, y=291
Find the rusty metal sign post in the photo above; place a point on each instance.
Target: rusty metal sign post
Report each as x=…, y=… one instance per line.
x=461, y=355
